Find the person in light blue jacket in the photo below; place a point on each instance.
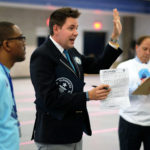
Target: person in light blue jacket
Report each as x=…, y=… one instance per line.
x=12, y=50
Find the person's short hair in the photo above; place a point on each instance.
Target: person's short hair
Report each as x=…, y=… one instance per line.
x=141, y=39
x=6, y=31
x=59, y=17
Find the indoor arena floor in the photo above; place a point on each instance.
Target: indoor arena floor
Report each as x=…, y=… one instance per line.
x=104, y=122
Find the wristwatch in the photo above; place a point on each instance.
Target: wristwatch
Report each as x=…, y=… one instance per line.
x=114, y=40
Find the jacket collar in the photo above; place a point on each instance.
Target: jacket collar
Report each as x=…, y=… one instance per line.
x=53, y=50
x=59, y=47
x=59, y=56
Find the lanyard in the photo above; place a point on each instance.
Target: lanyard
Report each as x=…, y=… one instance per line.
x=12, y=91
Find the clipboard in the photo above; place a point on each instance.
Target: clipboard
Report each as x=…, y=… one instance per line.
x=143, y=89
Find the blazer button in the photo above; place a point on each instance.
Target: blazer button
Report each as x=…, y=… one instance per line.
x=78, y=112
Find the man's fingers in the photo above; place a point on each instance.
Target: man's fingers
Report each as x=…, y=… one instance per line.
x=103, y=91
x=102, y=94
x=115, y=13
x=103, y=86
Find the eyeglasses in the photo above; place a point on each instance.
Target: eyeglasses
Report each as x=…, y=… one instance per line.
x=21, y=38
x=17, y=38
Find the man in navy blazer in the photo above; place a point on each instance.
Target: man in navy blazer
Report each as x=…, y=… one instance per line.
x=61, y=112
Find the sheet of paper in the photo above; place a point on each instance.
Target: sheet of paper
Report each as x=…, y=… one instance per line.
x=118, y=80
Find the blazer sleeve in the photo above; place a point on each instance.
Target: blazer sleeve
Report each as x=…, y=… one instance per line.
x=93, y=65
x=48, y=97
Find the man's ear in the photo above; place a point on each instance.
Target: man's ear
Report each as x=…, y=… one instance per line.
x=56, y=28
x=137, y=47
x=6, y=46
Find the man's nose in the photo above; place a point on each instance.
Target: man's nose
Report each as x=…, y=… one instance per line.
x=148, y=52
x=76, y=32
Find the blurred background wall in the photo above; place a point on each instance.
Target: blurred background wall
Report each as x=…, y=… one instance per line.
x=32, y=18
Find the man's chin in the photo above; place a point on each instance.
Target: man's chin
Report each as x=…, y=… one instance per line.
x=20, y=59
x=71, y=46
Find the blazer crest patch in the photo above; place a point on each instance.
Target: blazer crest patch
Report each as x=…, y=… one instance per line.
x=65, y=85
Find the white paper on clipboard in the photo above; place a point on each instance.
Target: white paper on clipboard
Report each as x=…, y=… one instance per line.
x=118, y=80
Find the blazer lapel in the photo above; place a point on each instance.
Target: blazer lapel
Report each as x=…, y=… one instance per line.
x=75, y=64
x=59, y=56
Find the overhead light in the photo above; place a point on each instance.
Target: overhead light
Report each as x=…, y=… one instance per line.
x=97, y=25
x=47, y=22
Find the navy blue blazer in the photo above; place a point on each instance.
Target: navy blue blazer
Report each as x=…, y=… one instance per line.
x=61, y=112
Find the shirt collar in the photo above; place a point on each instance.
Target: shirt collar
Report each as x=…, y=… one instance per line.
x=138, y=60
x=6, y=69
x=59, y=47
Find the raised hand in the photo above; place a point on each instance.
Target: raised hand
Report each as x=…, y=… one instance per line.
x=117, y=27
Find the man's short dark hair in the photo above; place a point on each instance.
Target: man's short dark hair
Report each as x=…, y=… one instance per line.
x=6, y=30
x=59, y=17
